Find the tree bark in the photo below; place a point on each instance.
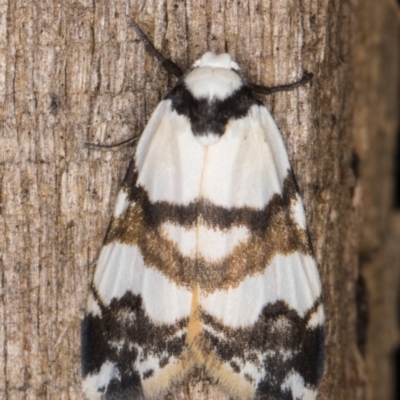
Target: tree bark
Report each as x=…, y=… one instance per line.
x=72, y=72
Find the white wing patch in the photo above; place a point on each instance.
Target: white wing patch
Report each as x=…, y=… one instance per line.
x=215, y=244
x=95, y=384
x=121, y=204
x=297, y=212
x=92, y=306
x=295, y=383
x=184, y=238
x=283, y=280
x=115, y=276
x=198, y=166
x=247, y=159
x=168, y=149
x=211, y=243
x=317, y=318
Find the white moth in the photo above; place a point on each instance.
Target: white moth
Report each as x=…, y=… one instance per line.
x=207, y=262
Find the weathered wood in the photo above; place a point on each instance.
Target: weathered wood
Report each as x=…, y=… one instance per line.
x=75, y=72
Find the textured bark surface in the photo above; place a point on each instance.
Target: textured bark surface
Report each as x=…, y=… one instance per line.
x=72, y=72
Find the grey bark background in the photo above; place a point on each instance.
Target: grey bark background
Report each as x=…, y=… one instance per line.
x=74, y=71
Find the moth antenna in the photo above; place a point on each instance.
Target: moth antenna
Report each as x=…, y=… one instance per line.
x=111, y=147
x=282, y=88
x=167, y=64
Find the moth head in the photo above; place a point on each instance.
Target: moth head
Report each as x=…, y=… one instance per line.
x=213, y=60
x=213, y=76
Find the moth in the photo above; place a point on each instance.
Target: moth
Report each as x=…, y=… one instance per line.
x=207, y=263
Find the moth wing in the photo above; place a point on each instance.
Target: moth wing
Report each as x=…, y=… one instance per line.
x=260, y=293
x=133, y=333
